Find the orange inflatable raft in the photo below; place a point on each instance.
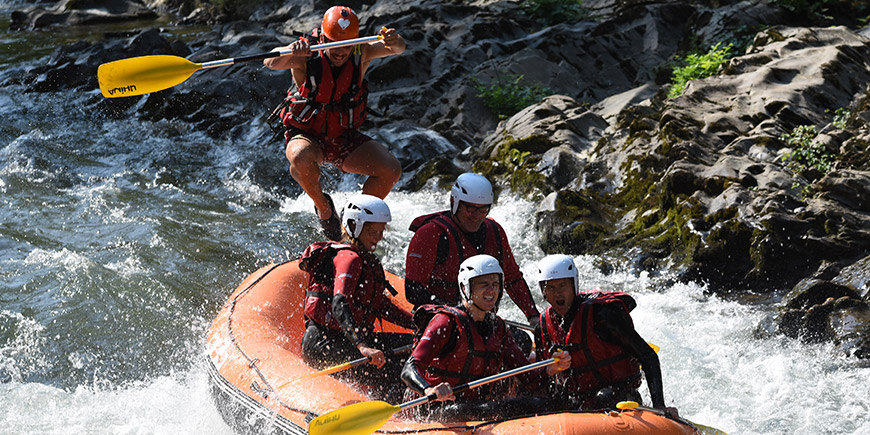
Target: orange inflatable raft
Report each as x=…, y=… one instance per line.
x=254, y=347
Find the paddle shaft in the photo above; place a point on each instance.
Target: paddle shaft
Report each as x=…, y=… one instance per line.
x=366, y=359
x=261, y=56
x=519, y=325
x=348, y=365
x=480, y=382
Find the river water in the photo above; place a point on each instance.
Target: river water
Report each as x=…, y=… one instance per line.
x=120, y=240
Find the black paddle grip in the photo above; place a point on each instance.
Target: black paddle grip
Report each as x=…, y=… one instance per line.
x=253, y=57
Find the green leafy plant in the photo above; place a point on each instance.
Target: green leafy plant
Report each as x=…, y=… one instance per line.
x=507, y=95
x=550, y=12
x=698, y=66
x=841, y=117
x=519, y=157
x=806, y=190
x=806, y=152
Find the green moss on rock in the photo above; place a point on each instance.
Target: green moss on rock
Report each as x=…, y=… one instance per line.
x=589, y=229
x=440, y=168
x=666, y=216
x=515, y=160
x=675, y=131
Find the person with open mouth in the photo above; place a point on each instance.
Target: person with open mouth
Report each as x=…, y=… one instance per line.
x=606, y=352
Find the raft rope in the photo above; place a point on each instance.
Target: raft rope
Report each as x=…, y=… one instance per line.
x=252, y=362
x=475, y=427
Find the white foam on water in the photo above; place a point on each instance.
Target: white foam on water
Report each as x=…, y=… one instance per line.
x=62, y=258
x=720, y=374
x=21, y=351
x=166, y=405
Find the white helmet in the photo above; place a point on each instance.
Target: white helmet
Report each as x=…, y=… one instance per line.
x=475, y=266
x=471, y=187
x=558, y=266
x=361, y=209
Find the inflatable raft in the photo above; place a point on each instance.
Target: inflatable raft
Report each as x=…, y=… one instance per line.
x=254, y=350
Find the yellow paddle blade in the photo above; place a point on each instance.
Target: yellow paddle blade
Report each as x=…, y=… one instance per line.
x=360, y=418
x=326, y=371
x=628, y=404
x=143, y=75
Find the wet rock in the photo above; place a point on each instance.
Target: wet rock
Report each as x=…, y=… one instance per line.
x=824, y=311
x=857, y=276
x=812, y=292
x=702, y=177
x=559, y=118
x=78, y=12
x=589, y=220
x=411, y=144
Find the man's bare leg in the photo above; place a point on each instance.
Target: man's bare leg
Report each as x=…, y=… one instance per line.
x=305, y=159
x=376, y=161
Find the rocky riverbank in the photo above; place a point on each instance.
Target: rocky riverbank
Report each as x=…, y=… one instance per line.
x=705, y=184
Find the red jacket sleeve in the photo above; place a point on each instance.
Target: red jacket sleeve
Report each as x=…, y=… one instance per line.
x=348, y=268
x=419, y=263
x=422, y=249
x=432, y=341
x=435, y=337
x=515, y=284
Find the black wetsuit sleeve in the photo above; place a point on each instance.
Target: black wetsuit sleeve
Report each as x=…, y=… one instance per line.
x=614, y=325
x=539, y=342
x=412, y=378
x=342, y=312
x=418, y=294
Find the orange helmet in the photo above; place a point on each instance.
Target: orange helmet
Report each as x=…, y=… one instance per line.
x=340, y=23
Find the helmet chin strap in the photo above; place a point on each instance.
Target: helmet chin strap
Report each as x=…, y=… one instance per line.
x=478, y=307
x=494, y=309
x=469, y=300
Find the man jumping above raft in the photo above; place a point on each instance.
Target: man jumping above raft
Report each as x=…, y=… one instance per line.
x=325, y=108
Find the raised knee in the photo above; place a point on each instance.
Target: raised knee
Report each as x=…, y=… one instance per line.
x=301, y=153
x=393, y=170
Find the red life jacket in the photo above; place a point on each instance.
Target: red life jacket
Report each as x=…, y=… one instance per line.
x=443, y=282
x=595, y=363
x=366, y=302
x=471, y=357
x=327, y=105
